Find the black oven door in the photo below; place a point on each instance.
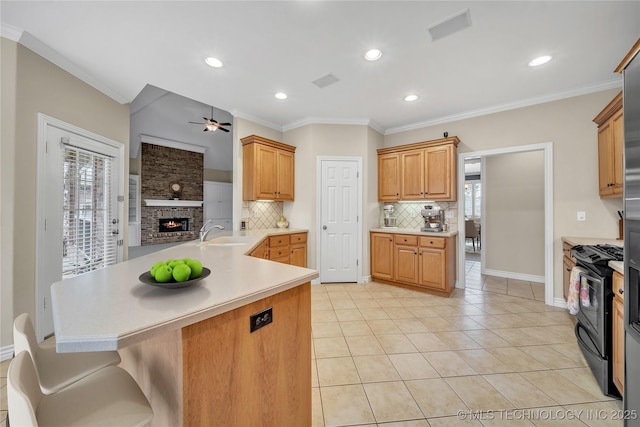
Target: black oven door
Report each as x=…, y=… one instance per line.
x=592, y=309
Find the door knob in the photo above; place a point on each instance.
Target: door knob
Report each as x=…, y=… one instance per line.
x=324, y=227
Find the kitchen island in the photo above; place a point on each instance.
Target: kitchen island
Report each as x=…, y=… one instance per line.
x=191, y=349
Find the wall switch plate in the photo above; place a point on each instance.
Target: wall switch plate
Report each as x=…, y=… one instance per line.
x=260, y=319
x=582, y=216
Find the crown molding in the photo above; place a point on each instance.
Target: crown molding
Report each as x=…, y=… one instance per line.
x=53, y=56
x=240, y=114
x=333, y=121
x=585, y=90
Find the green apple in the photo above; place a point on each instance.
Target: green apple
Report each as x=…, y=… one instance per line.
x=175, y=262
x=154, y=267
x=163, y=274
x=196, y=268
x=181, y=272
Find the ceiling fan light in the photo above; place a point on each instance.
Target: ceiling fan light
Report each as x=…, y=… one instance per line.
x=373, y=55
x=212, y=128
x=213, y=62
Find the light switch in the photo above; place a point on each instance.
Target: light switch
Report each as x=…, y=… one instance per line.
x=582, y=216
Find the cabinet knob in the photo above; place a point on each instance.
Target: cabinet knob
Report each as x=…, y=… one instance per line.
x=621, y=291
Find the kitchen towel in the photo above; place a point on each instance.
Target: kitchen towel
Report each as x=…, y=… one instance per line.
x=578, y=291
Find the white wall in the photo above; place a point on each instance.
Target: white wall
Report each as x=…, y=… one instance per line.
x=513, y=185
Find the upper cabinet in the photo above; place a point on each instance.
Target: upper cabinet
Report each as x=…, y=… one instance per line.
x=267, y=169
x=610, y=149
x=421, y=171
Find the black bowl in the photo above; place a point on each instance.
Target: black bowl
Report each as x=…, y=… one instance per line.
x=148, y=279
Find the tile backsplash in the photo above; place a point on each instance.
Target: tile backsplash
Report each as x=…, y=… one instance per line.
x=408, y=214
x=261, y=215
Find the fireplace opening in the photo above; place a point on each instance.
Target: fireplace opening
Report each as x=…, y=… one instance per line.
x=167, y=225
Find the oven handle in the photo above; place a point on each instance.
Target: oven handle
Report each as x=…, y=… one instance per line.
x=595, y=279
x=581, y=341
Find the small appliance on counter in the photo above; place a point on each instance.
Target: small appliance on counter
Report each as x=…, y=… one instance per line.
x=389, y=221
x=433, y=219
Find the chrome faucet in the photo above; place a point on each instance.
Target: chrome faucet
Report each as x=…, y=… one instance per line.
x=204, y=231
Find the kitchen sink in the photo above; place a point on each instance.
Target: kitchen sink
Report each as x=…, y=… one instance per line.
x=229, y=241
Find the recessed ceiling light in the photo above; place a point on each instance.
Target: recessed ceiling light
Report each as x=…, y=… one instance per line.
x=373, y=55
x=213, y=62
x=410, y=98
x=539, y=61
x=281, y=95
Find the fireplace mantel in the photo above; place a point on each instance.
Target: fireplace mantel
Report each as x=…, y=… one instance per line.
x=174, y=203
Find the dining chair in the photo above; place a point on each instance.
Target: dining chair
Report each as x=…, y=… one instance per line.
x=471, y=232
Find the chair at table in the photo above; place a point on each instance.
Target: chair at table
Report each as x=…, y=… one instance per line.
x=108, y=397
x=471, y=232
x=57, y=370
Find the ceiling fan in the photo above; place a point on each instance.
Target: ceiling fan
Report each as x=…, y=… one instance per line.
x=211, y=125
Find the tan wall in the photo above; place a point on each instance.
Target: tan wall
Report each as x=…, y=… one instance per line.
x=40, y=87
x=568, y=125
x=513, y=231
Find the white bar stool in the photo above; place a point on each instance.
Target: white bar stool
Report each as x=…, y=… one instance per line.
x=108, y=397
x=57, y=370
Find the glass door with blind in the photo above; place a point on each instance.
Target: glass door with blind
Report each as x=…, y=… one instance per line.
x=80, y=195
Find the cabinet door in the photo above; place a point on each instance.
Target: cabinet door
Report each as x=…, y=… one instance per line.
x=433, y=267
x=605, y=159
x=438, y=171
x=298, y=255
x=262, y=250
x=285, y=175
x=389, y=177
x=266, y=167
x=412, y=173
x=618, y=343
x=617, y=131
x=406, y=264
x=382, y=256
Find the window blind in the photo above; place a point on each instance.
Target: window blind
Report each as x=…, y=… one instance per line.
x=88, y=212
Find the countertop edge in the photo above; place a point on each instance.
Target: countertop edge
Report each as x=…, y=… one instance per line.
x=574, y=241
x=392, y=230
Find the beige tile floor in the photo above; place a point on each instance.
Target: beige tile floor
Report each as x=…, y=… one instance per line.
x=387, y=356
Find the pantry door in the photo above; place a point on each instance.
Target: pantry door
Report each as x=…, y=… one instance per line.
x=79, y=208
x=339, y=220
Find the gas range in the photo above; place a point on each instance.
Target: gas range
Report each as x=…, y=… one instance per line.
x=598, y=255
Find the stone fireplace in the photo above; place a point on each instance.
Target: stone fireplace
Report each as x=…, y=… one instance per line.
x=169, y=215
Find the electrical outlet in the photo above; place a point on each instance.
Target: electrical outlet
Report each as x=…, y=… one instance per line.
x=258, y=320
x=582, y=216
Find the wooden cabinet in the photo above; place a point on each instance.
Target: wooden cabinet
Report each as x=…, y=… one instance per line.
x=618, y=331
x=610, y=149
x=298, y=249
x=267, y=169
x=389, y=177
x=568, y=262
x=420, y=262
x=421, y=171
x=382, y=256
x=285, y=248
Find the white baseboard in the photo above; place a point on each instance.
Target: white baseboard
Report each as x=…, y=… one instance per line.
x=316, y=281
x=512, y=275
x=6, y=353
x=365, y=279
x=559, y=302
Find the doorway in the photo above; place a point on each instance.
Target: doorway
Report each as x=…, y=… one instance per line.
x=547, y=150
x=339, y=213
x=78, y=211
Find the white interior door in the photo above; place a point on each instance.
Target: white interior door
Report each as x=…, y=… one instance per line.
x=339, y=221
x=78, y=213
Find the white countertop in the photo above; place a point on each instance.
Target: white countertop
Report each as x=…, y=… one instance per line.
x=413, y=231
x=110, y=308
x=617, y=266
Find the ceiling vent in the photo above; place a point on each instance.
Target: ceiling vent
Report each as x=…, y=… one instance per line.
x=325, y=81
x=451, y=25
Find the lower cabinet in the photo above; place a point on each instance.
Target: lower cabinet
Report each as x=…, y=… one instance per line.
x=285, y=248
x=618, y=331
x=568, y=262
x=425, y=263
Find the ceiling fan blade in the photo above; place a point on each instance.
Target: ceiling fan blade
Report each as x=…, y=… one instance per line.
x=212, y=121
x=224, y=130
x=197, y=123
x=225, y=124
x=205, y=130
